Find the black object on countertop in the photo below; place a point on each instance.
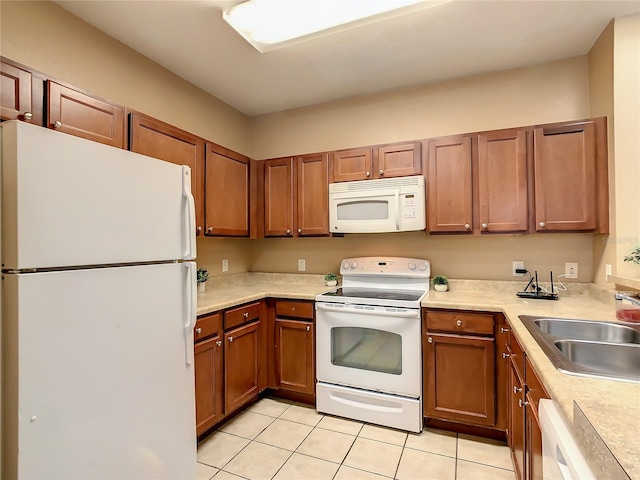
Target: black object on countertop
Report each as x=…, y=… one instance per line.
x=537, y=293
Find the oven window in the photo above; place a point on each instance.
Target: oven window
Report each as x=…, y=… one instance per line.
x=366, y=349
x=363, y=210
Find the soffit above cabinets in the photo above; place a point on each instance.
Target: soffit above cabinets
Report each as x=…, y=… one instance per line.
x=451, y=40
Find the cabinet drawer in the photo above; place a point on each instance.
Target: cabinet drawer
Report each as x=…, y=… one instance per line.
x=240, y=315
x=456, y=322
x=517, y=355
x=287, y=308
x=207, y=326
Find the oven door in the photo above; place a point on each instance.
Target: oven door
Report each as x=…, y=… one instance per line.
x=374, y=348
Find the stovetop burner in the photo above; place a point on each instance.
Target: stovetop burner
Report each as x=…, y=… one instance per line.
x=354, y=293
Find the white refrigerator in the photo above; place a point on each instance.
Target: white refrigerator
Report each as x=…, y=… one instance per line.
x=98, y=308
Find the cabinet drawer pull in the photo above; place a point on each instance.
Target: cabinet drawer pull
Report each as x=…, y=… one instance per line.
x=459, y=323
x=381, y=172
x=57, y=124
x=467, y=226
x=245, y=314
x=198, y=229
x=541, y=224
x=308, y=328
x=521, y=403
x=198, y=330
x=516, y=389
x=505, y=355
x=28, y=115
x=219, y=343
x=231, y=339
x=430, y=340
x=484, y=226
x=368, y=173
x=209, y=229
x=503, y=330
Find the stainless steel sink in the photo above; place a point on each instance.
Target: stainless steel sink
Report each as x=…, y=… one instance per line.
x=589, y=348
x=588, y=330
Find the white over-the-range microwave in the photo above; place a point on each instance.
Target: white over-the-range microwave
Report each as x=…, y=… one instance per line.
x=377, y=206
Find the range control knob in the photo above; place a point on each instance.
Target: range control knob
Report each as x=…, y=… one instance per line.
x=412, y=266
x=422, y=267
x=345, y=265
x=354, y=264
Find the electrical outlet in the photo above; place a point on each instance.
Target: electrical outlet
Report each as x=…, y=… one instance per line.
x=225, y=264
x=302, y=265
x=518, y=264
x=571, y=269
x=607, y=272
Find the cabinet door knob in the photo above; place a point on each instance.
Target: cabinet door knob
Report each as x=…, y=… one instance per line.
x=368, y=173
x=505, y=355
x=198, y=229
x=430, y=340
x=516, y=389
x=541, y=224
x=503, y=330
x=308, y=328
x=521, y=403
x=288, y=231
x=57, y=124
x=230, y=339
x=209, y=229
x=198, y=330
x=467, y=226
x=484, y=225
x=459, y=323
x=28, y=115
x=381, y=172
x=299, y=230
x=219, y=343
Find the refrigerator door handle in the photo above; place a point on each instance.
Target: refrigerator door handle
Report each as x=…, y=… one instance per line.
x=189, y=302
x=190, y=212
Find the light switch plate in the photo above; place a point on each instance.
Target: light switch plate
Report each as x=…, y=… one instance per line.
x=302, y=265
x=225, y=264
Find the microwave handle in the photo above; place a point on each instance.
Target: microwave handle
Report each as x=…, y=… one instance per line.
x=398, y=213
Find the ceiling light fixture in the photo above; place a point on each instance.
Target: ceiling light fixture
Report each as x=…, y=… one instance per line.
x=272, y=24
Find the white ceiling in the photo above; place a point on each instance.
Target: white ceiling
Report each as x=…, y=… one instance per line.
x=455, y=39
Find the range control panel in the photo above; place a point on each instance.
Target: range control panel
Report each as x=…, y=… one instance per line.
x=392, y=266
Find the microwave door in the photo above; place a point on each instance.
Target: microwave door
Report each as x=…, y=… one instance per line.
x=365, y=212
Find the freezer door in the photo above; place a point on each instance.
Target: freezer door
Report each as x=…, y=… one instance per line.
x=99, y=383
x=69, y=202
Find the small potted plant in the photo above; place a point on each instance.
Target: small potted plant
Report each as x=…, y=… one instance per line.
x=634, y=256
x=440, y=283
x=332, y=279
x=202, y=277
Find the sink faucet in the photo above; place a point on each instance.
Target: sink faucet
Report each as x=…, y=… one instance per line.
x=632, y=300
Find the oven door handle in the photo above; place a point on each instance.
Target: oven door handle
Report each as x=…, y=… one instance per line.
x=379, y=313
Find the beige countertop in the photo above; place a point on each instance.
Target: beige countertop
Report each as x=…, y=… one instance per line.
x=603, y=414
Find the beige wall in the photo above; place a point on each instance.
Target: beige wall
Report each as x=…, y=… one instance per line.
x=600, y=105
x=47, y=38
x=539, y=94
x=626, y=91
x=211, y=252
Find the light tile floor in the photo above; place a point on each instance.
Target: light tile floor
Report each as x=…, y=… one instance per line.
x=278, y=439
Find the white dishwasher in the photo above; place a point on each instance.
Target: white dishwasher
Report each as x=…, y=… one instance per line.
x=562, y=458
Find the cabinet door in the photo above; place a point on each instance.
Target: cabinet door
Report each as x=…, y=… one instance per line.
x=449, y=185
x=516, y=435
x=565, y=177
x=398, y=160
x=227, y=192
x=312, y=199
x=82, y=115
x=353, y=164
x=294, y=355
x=460, y=373
x=157, y=139
x=278, y=198
x=208, y=381
x=15, y=93
x=502, y=373
x=533, y=443
x=242, y=369
x=502, y=181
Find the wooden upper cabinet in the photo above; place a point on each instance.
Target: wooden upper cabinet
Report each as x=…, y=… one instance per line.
x=157, y=139
x=278, y=198
x=226, y=192
x=450, y=202
x=16, y=95
x=565, y=177
x=502, y=181
x=312, y=199
x=82, y=115
x=353, y=164
x=398, y=160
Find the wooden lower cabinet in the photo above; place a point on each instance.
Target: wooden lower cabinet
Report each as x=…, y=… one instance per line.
x=516, y=428
x=208, y=367
x=534, y=444
x=294, y=359
x=242, y=365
